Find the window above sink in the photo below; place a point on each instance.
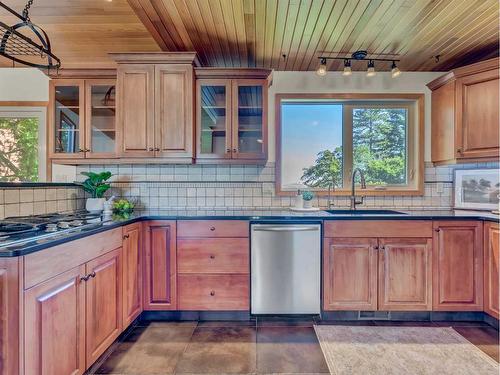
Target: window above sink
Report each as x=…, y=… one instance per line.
x=322, y=138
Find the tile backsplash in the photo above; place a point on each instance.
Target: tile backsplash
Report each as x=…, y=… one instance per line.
x=39, y=200
x=190, y=188
x=215, y=187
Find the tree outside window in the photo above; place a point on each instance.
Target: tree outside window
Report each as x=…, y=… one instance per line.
x=19, y=149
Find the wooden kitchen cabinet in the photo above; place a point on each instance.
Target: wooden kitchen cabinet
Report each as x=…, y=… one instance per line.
x=404, y=274
x=54, y=321
x=350, y=274
x=156, y=106
x=160, y=279
x=458, y=266
x=81, y=119
x=135, y=118
x=231, y=115
x=10, y=281
x=103, y=303
x=491, y=269
x=377, y=265
x=465, y=114
x=174, y=92
x=132, y=272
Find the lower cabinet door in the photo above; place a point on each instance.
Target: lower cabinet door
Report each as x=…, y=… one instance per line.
x=54, y=318
x=350, y=274
x=405, y=274
x=132, y=272
x=103, y=303
x=458, y=266
x=160, y=282
x=214, y=292
x=491, y=269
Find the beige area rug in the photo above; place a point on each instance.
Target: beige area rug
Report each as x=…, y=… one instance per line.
x=401, y=350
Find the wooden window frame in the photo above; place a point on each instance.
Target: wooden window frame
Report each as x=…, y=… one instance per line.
x=415, y=147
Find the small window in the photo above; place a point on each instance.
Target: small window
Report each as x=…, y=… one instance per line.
x=322, y=140
x=22, y=148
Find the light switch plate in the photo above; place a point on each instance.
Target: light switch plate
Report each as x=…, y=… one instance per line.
x=439, y=187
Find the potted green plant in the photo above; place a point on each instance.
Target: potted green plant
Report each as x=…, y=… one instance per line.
x=307, y=196
x=96, y=186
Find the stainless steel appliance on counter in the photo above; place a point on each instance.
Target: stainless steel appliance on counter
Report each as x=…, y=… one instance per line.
x=285, y=268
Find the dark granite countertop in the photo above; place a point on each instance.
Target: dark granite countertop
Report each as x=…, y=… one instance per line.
x=252, y=215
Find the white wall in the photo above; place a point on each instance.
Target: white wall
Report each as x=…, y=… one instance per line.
x=335, y=82
x=23, y=84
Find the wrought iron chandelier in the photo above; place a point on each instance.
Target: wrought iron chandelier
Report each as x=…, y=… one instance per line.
x=19, y=48
x=361, y=55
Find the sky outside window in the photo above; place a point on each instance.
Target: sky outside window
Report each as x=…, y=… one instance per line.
x=307, y=129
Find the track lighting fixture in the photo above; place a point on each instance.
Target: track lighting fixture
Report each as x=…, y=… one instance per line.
x=370, y=72
x=360, y=55
x=322, y=67
x=395, y=70
x=347, y=68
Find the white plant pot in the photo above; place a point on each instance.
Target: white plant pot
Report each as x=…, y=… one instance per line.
x=95, y=205
x=307, y=204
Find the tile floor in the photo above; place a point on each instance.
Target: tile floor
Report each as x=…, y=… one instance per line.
x=255, y=347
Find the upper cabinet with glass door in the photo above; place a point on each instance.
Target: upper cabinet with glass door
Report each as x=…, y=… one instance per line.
x=82, y=119
x=100, y=135
x=214, y=119
x=66, y=138
x=249, y=119
x=232, y=120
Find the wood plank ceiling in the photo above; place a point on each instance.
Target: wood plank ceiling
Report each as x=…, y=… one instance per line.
x=257, y=33
x=82, y=32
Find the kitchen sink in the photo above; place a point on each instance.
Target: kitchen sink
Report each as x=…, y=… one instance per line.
x=365, y=212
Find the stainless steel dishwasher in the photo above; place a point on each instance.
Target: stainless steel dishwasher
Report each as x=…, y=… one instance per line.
x=285, y=268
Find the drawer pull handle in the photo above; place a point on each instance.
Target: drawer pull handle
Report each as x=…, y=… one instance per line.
x=92, y=274
x=212, y=256
x=212, y=228
x=212, y=293
x=84, y=278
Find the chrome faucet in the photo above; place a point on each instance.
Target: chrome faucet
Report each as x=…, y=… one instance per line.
x=353, y=199
x=331, y=187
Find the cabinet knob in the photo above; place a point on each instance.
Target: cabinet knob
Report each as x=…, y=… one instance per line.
x=228, y=150
x=92, y=274
x=235, y=150
x=151, y=149
x=212, y=256
x=84, y=278
x=376, y=247
x=437, y=230
x=212, y=293
x=126, y=236
x=157, y=149
x=212, y=228
x=81, y=150
x=459, y=150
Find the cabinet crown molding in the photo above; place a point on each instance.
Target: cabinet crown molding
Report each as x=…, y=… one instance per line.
x=232, y=73
x=155, y=58
x=83, y=73
x=463, y=71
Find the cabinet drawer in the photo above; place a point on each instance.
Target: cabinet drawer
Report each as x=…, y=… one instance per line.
x=378, y=228
x=43, y=265
x=213, y=255
x=212, y=228
x=213, y=292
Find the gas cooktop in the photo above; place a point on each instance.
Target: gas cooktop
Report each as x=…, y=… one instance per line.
x=21, y=229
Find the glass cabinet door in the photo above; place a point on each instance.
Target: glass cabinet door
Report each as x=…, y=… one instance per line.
x=67, y=101
x=213, y=118
x=100, y=119
x=249, y=119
